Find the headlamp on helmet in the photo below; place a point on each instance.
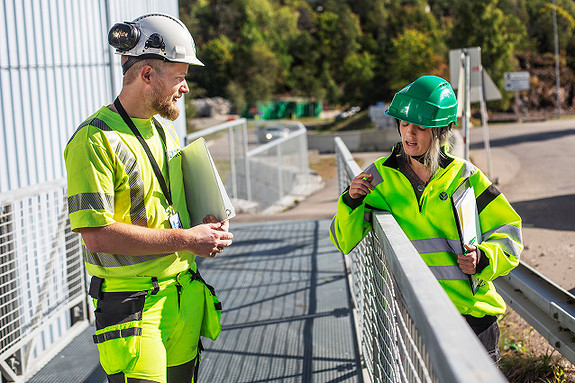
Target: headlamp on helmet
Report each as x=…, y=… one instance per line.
x=155, y=35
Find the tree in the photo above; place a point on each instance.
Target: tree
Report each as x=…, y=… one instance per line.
x=413, y=55
x=217, y=55
x=541, y=24
x=481, y=23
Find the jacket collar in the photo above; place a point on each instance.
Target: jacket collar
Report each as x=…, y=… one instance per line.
x=393, y=160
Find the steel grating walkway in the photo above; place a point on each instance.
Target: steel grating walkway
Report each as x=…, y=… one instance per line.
x=286, y=313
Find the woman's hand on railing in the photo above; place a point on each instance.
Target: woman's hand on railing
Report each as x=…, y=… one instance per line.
x=361, y=186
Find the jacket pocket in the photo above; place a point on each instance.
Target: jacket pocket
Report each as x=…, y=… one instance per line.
x=119, y=329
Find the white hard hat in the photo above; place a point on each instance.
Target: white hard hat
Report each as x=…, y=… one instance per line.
x=155, y=35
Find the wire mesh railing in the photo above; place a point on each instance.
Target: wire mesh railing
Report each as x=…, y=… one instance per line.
x=42, y=280
x=279, y=166
x=408, y=329
x=260, y=173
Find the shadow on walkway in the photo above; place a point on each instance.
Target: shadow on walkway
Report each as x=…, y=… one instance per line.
x=286, y=313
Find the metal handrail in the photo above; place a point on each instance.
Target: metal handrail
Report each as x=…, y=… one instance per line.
x=291, y=170
x=455, y=352
x=547, y=307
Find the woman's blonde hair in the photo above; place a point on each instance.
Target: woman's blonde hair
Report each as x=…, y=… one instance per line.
x=439, y=138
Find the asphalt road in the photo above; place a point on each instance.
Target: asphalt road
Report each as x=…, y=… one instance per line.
x=534, y=164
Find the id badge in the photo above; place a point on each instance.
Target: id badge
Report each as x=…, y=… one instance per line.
x=174, y=218
x=175, y=221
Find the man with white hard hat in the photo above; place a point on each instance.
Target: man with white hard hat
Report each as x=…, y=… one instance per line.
x=151, y=303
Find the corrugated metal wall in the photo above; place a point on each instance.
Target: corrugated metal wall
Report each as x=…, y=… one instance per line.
x=54, y=72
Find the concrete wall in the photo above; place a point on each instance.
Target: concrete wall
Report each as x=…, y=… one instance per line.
x=356, y=141
x=371, y=141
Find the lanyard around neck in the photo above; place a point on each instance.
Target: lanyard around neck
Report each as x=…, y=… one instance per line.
x=153, y=162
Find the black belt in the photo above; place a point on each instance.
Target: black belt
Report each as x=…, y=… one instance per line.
x=95, y=290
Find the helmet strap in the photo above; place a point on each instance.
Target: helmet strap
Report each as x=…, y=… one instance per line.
x=134, y=59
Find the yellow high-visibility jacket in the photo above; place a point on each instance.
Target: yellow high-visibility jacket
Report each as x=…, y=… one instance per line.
x=110, y=180
x=430, y=225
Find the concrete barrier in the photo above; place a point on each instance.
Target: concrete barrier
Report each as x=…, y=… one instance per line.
x=357, y=140
x=370, y=141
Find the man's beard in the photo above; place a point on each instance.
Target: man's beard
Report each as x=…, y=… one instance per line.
x=164, y=106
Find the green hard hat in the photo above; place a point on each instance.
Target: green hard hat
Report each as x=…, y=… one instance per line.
x=429, y=101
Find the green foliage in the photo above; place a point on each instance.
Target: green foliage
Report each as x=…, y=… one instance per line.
x=481, y=23
x=360, y=51
x=413, y=56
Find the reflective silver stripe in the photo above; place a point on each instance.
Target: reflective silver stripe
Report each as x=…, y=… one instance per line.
x=91, y=201
x=137, y=207
x=332, y=231
x=377, y=179
x=115, y=260
x=138, y=213
x=509, y=244
x=448, y=273
x=437, y=245
x=467, y=169
x=511, y=231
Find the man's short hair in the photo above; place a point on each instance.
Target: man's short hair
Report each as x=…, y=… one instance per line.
x=134, y=71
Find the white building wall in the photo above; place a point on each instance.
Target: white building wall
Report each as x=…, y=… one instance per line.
x=56, y=69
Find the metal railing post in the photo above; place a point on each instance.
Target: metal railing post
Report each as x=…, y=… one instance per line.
x=280, y=172
x=247, y=163
x=231, y=145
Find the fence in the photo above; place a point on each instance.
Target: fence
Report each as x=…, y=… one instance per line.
x=409, y=330
x=42, y=280
x=263, y=174
x=547, y=307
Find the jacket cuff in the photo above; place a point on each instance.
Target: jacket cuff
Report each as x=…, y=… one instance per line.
x=352, y=203
x=482, y=263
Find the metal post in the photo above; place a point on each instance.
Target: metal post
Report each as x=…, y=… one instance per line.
x=247, y=162
x=232, y=145
x=485, y=128
x=304, y=160
x=280, y=172
x=557, y=74
x=110, y=52
x=467, y=108
x=516, y=106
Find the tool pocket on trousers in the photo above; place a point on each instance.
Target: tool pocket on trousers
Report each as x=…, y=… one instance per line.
x=211, y=323
x=119, y=329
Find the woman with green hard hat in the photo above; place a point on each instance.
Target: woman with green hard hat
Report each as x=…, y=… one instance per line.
x=417, y=183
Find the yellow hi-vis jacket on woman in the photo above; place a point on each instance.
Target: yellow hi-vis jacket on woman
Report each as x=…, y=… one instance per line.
x=430, y=225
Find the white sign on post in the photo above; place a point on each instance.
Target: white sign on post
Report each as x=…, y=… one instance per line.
x=516, y=81
x=479, y=81
x=474, y=85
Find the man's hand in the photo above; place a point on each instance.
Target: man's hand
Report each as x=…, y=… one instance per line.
x=209, y=239
x=221, y=226
x=361, y=185
x=468, y=260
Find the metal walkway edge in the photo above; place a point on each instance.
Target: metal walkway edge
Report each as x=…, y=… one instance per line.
x=286, y=315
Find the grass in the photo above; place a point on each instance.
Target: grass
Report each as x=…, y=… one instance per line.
x=526, y=357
